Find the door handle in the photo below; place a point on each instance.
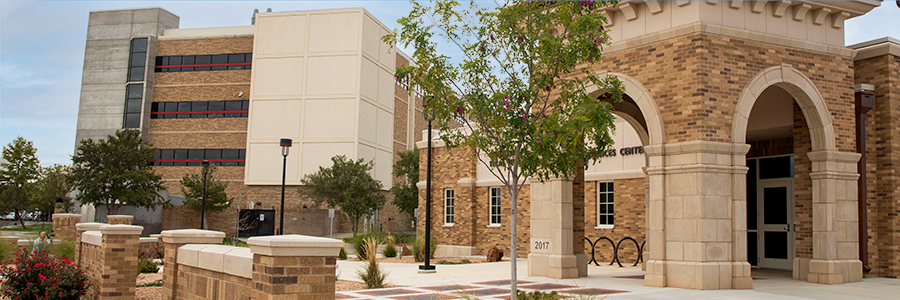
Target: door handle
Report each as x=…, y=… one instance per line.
x=787, y=228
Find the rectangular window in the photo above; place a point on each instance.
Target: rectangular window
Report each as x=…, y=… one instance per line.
x=200, y=109
x=137, y=59
x=605, y=204
x=495, y=206
x=448, y=206
x=194, y=157
x=133, y=103
x=207, y=62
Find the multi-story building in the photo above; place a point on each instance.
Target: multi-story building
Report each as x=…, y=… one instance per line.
x=737, y=148
x=228, y=95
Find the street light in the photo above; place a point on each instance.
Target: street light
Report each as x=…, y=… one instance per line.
x=285, y=150
x=205, y=164
x=428, y=267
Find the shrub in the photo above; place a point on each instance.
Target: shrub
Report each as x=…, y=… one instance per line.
x=536, y=295
x=463, y=262
x=42, y=276
x=389, y=250
x=372, y=275
x=147, y=266
x=151, y=284
x=362, y=249
x=418, y=248
x=343, y=254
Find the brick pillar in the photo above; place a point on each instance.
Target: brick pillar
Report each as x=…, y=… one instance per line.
x=119, y=219
x=294, y=267
x=835, y=218
x=174, y=239
x=118, y=259
x=64, y=226
x=551, y=251
x=80, y=229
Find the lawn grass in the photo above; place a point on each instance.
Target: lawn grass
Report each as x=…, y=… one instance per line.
x=33, y=228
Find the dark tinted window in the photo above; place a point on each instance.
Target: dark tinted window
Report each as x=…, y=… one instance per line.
x=216, y=156
x=185, y=63
x=776, y=167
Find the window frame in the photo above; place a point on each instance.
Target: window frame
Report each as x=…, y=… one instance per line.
x=449, y=207
x=492, y=205
x=609, y=205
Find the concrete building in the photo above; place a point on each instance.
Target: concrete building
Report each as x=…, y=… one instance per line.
x=737, y=149
x=228, y=95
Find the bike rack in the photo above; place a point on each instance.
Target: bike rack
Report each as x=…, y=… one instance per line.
x=616, y=247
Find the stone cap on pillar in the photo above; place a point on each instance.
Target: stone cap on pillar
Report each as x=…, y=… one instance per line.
x=294, y=245
x=66, y=215
x=192, y=236
x=88, y=226
x=120, y=229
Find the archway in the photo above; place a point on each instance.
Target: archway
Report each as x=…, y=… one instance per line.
x=834, y=258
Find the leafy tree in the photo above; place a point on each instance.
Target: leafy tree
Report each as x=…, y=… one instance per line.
x=406, y=196
x=519, y=87
x=346, y=185
x=18, y=169
x=51, y=185
x=192, y=189
x=116, y=171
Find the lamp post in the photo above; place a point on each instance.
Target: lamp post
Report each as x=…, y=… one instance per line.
x=285, y=149
x=205, y=164
x=427, y=267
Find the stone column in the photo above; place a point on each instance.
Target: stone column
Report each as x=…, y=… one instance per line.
x=694, y=216
x=835, y=218
x=118, y=259
x=119, y=219
x=294, y=267
x=64, y=226
x=551, y=254
x=80, y=229
x=174, y=239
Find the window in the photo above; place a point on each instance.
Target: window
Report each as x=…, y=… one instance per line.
x=448, y=206
x=134, y=96
x=605, y=204
x=193, y=157
x=212, y=62
x=137, y=60
x=200, y=109
x=495, y=206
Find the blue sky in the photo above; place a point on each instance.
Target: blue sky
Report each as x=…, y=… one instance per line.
x=42, y=51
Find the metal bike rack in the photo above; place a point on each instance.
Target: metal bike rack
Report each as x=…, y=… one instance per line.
x=616, y=247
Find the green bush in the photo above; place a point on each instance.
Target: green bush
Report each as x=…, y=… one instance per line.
x=147, y=266
x=150, y=284
x=418, y=247
x=537, y=295
x=229, y=242
x=389, y=251
x=63, y=248
x=463, y=262
x=362, y=249
x=42, y=276
x=343, y=254
x=372, y=275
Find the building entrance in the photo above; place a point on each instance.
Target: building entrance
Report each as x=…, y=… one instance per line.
x=770, y=212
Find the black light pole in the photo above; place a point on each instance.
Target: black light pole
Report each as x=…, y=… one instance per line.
x=428, y=267
x=285, y=149
x=205, y=165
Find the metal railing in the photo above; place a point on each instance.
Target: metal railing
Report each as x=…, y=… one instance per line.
x=616, y=246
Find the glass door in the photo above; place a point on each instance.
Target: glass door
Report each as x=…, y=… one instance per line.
x=775, y=202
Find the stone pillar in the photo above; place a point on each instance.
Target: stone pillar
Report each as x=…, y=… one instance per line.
x=835, y=218
x=118, y=259
x=174, y=239
x=64, y=226
x=551, y=254
x=80, y=229
x=691, y=224
x=119, y=219
x=294, y=267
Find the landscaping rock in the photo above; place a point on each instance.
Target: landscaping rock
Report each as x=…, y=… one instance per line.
x=494, y=254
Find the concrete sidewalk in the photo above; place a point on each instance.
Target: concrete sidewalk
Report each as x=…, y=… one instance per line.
x=480, y=280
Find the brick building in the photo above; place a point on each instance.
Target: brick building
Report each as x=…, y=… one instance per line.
x=228, y=95
x=736, y=149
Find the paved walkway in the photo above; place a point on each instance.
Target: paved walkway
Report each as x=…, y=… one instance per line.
x=491, y=281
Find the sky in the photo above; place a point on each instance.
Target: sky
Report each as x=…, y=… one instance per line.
x=42, y=52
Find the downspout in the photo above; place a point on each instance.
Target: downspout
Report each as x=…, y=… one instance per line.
x=864, y=94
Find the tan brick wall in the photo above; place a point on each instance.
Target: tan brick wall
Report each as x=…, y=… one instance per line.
x=883, y=144
x=803, y=205
x=486, y=235
x=241, y=44
x=293, y=277
x=211, y=124
x=64, y=226
x=630, y=218
x=201, y=93
x=91, y=264
x=196, y=283
x=202, y=77
x=193, y=140
x=119, y=256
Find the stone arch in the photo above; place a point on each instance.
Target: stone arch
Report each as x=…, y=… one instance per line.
x=802, y=90
x=643, y=99
x=643, y=135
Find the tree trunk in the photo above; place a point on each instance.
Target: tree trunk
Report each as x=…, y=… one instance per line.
x=514, y=194
x=19, y=217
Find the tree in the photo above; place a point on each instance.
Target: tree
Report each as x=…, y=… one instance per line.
x=216, y=198
x=519, y=89
x=346, y=185
x=116, y=171
x=18, y=169
x=50, y=186
x=406, y=196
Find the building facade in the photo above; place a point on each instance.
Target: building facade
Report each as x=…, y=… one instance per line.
x=736, y=148
x=228, y=95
